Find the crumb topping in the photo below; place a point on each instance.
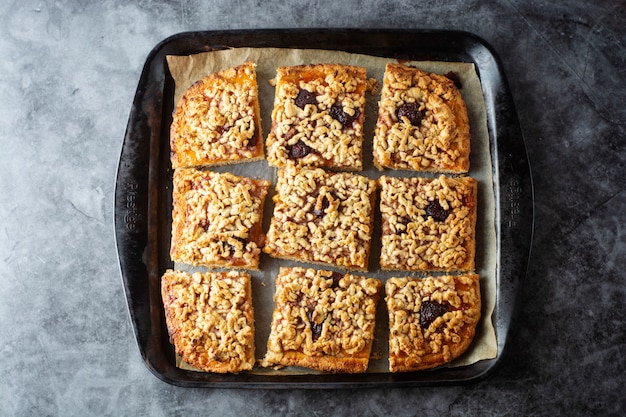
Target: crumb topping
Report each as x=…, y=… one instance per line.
x=322, y=217
x=210, y=319
x=428, y=223
x=322, y=313
x=422, y=123
x=217, y=120
x=414, y=344
x=217, y=219
x=323, y=108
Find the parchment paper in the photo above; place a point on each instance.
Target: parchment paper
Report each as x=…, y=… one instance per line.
x=187, y=69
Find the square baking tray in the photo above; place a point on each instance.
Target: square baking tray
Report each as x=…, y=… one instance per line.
x=143, y=187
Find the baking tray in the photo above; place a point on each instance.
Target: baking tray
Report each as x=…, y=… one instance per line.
x=142, y=193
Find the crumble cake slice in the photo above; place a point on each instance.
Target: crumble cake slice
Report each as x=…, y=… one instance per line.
x=217, y=120
x=210, y=319
x=432, y=320
x=322, y=217
x=217, y=219
x=322, y=320
x=318, y=116
x=422, y=123
x=428, y=224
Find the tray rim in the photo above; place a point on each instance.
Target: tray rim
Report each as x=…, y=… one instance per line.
x=135, y=205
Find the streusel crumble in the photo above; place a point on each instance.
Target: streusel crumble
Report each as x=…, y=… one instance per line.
x=322, y=320
x=210, y=319
x=432, y=321
x=322, y=217
x=422, y=123
x=217, y=218
x=428, y=224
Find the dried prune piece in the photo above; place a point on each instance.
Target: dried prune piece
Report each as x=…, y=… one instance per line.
x=412, y=112
x=299, y=150
x=402, y=221
x=337, y=113
x=429, y=311
x=316, y=329
x=336, y=277
x=253, y=140
x=320, y=212
x=305, y=97
x=434, y=210
x=231, y=248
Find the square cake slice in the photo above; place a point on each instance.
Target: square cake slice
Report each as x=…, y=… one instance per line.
x=428, y=224
x=322, y=217
x=422, y=123
x=210, y=319
x=217, y=219
x=318, y=117
x=432, y=321
x=322, y=320
x=217, y=120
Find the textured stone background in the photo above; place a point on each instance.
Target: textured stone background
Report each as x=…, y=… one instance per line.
x=68, y=77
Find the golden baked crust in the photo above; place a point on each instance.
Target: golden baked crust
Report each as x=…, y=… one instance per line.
x=318, y=117
x=217, y=120
x=322, y=320
x=432, y=321
x=210, y=319
x=216, y=219
x=322, y=217
x=422, y=123
x=428, y=224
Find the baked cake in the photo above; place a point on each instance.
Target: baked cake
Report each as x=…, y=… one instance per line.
x=318, y=117
x=210, y=319
x=422, y=123
x=217, y=219
x=428, y=224
x=432, y=321
x=322, y=320
x=217, y=120
x=322, y=217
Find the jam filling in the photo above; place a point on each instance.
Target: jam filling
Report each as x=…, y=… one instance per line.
x=434, y=210
x=299, y=150
x=412, y=112
x=336, y=277
x=337, y=113
x=305, y=97
x=429, y=311
x=316, y=329
x=253, y=140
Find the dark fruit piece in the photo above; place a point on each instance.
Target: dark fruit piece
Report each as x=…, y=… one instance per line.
x=305, y=97
x=337, y=113
x=299, y=150
x=316, y=329
x=253, y=140
x=320, y=212
x=231, y=248
x=403, y=221
x=412, y=112
x=434, y=210
x=429, y=311
x=336, y=277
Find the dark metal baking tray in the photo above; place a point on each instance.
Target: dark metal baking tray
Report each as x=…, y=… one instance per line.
x=142, y=188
